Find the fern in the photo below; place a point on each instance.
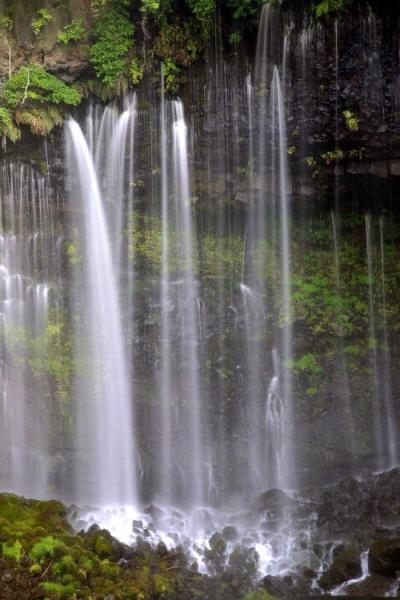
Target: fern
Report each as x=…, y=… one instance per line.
x=40, y=120
x=7, y=127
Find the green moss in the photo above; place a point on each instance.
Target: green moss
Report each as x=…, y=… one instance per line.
x=60, y=590
x=43, y=549
x=14, y=551
x=35, y=569
x=259, y=594
x=102, y=547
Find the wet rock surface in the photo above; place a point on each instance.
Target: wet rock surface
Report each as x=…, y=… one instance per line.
x=384, y=556
x=346, y=564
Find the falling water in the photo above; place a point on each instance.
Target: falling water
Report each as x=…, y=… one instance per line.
x=269, y=437
x=372, y=347
x=26, y=261
x=105, y=453
x=275, y=431
x=286, y=314
x=189, y=332
x=388, y=416
x=166, y=392
x=343, y=387
x=181, y=447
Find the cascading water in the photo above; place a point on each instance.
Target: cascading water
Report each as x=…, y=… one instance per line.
x=194, y=281
x=105, y=471
x=379, y=351
x=269, y=438
x=29, y=272
x=343, y=388
x=181, y=450
x=388, y=415
x=372, y=347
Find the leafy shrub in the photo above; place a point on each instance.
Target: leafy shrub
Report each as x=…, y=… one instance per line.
x=6, y=24
x=202, y=9
x=135, y=71
x=73, y=32
x=32, y=85
x=37, y=99
x=245, y=9
x=42, y=19
x=171, y=73
x=150, y=6
x=327, y=6
x=113, y=38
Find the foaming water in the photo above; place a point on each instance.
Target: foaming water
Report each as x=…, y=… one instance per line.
x=272, y=543
x=341, y=589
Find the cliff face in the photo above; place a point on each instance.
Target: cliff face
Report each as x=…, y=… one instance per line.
x=342, y=79
x=340, y=82
x=20, y=45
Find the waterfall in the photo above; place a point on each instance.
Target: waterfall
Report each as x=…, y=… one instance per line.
x=274, y=420
x=343, y=387
x=166, y=450
x=28, y=274
x=104, y=421
x=388, y=415
x=268, y=438
x=373, y=348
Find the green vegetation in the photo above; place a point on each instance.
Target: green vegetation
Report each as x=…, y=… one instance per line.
x=32, y=85
x=258, y=595
x=8, y=129
x=351, y=120
x=73, y=32
x=329, y=6
x=34, y=97
x=42, y=18
x=178, y=39
x=44, y=556
x=112, y=40
x=202, y=9
x=14, y=552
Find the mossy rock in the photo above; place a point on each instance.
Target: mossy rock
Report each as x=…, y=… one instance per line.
x=45, y=558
